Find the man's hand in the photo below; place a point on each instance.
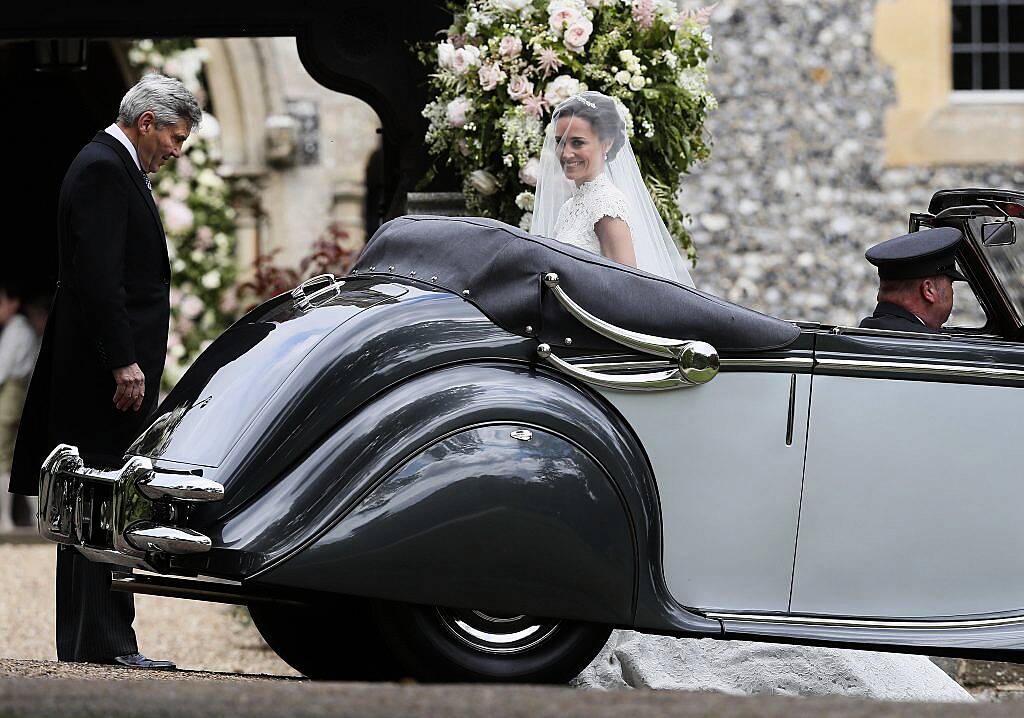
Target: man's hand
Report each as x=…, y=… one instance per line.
x=131, y=387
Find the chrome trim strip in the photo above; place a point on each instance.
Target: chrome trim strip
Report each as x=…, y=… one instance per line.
x=770, y=364
x=871, y=332
x=780, y=363
x=902, y=368
x=923, y=623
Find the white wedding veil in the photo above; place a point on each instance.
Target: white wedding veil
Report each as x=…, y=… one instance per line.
x=656, y=251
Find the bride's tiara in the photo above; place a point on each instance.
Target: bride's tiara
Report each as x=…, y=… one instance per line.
x=585, y=101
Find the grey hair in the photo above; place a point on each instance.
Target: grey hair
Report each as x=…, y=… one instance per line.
x=168, y=99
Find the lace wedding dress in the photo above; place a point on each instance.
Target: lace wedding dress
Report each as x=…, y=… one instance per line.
x=590, y=202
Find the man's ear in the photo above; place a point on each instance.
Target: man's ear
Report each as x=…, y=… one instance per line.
x=929, y=290
x=146, y=122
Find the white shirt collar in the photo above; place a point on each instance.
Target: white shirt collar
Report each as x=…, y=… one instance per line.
x=118, y=134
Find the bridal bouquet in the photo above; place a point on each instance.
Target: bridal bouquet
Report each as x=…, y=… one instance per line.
x=505, y=64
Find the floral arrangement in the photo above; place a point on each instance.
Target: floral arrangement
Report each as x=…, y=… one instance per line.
x=505, y=64
x=194, y=202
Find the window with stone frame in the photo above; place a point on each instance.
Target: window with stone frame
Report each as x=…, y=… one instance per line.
x=988, y=45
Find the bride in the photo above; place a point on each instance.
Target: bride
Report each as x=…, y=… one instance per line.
x=590, y=193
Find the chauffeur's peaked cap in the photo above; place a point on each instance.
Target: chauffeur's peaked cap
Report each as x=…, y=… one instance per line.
x=927, y=253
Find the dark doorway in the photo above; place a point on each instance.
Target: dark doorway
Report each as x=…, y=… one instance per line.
x=54, y=115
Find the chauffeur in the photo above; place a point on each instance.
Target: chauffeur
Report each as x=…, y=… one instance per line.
x=915, y=280
x=98, y=373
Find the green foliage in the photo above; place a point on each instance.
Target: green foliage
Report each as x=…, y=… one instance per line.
x=506, y=63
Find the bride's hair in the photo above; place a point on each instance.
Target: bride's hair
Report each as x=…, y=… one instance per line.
x=602, y=114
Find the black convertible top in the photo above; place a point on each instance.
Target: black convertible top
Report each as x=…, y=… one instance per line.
x=500, y=268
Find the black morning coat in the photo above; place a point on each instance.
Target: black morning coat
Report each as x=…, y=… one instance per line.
x=892, y=316
x=111, y=310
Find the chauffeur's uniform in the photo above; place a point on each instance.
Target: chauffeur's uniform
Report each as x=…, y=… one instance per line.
x=111, y=310
x=928, y=253
x=892, y=316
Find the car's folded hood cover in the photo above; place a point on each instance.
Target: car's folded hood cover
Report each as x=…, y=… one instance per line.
x=499, y=268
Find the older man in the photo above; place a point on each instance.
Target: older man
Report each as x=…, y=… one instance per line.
x=98, y=373
x=915, y=280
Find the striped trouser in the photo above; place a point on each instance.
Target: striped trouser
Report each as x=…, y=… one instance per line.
x=94, y=624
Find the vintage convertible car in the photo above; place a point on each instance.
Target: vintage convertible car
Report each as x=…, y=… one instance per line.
x=480, y=451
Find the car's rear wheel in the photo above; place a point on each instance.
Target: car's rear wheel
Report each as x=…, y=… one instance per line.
x=338, y=642
x=445, y=644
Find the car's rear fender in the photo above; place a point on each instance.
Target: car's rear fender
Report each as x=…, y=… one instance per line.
x=316, y=528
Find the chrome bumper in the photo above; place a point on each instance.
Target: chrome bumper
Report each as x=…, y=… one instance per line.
x=123, y=516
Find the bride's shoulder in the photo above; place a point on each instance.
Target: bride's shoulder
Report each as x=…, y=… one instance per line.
x=607, y=200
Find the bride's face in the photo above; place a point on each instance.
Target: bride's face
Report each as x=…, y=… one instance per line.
x=581, y=152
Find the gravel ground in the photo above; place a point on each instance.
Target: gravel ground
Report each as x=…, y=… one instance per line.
x=280, y=698
x=196, y=635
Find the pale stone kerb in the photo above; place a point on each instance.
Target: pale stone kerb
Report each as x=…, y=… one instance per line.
x=927, y=126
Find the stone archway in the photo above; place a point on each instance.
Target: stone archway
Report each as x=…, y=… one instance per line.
x=295, y=152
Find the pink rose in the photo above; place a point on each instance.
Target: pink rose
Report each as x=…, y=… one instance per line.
x=457, y=110
x=528, y=172
x=491, y=76
x=561, y=16
x=465, y=58
x=519, y=88
x=177, y=216
x=577, y=34
x=510, y=47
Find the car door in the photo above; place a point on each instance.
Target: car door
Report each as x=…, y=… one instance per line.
x=914, y=482
x=728, y=458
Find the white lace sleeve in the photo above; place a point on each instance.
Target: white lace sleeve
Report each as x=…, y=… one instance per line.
x=610, y=202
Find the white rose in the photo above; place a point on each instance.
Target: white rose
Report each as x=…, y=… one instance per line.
x=524, y=201
x=510, y=46
x=577, y=34
x=637, y=82
x=483, y=182
x=561, y=88
x=457, y=110
x=446, y=55
x=526, y=221
x=211, y=280
x=511, y=5
x=491, y=76
x=519, y=88
x=625, y=55
x=623, y=77
x=471, y=29
x=528, y=172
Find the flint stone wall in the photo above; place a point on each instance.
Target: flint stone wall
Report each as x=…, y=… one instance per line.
x=796, y=188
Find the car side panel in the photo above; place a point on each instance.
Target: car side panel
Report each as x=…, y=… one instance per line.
x=913, y=487
x=505, y=518
x=729, y=484
x=912, y=500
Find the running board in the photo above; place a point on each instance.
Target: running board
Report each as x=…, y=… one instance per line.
x=994, y=637
x=198, y=589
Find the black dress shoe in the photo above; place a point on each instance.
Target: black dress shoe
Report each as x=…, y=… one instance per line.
x=137, y=660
